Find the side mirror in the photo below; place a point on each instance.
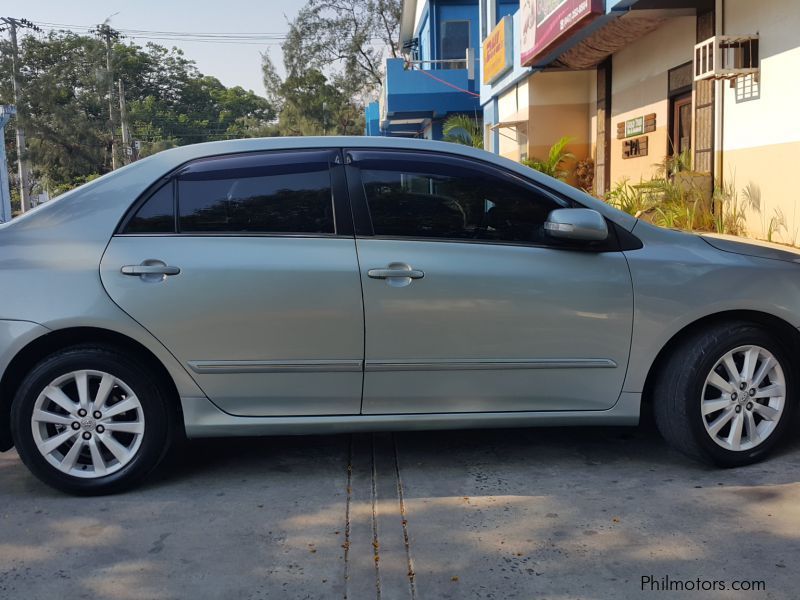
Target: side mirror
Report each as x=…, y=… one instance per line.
x=577, y=224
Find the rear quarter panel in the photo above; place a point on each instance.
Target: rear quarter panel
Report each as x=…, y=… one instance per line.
x=50, y=257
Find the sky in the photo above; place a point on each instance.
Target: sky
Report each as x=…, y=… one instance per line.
x=231, y=63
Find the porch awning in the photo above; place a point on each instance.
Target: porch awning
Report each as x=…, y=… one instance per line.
x=507, y=124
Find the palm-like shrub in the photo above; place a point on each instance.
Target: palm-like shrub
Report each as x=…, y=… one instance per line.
x=554, y=163
x=464, y=130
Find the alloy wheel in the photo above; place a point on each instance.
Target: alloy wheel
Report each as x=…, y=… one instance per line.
x=743, y=398
x=88, y=423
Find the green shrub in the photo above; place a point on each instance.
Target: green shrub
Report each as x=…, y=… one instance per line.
x=553, y=164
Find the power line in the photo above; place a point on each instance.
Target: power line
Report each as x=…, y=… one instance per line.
x=238, y=43
x=194, y=35
x=237, y=38
x=442, y=81
x=230, y=33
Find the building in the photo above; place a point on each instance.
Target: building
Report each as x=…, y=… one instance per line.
x=436, y=76
x=635, y=81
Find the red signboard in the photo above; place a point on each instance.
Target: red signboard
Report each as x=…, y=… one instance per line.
x=545, y=22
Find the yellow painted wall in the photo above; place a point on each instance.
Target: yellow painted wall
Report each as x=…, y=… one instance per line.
x=761, y=133
x=767, y=174
x=640, y=86
x=561, y=104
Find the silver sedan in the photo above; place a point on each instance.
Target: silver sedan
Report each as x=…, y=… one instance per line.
x=317, y=285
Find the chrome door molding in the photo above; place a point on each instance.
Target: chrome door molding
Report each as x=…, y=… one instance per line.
x=490, y=364
x=275, y=366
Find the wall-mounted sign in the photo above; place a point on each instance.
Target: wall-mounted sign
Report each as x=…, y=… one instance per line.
x=498, y=51
x=635, y=147
x=636, y=126
x=545, y=22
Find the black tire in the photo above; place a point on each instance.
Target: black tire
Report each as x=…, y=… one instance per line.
x=157, y=409
x=679, y=387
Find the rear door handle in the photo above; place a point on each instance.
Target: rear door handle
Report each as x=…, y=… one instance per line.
x=150, y=270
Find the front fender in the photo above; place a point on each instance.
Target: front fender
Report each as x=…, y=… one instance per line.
x=679, y=279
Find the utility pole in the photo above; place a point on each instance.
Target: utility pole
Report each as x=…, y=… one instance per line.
x=127, y=151
x=23, y=163
x=110, y=36
x=6, y=112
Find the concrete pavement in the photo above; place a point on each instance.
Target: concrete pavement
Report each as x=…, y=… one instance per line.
x=537, y=513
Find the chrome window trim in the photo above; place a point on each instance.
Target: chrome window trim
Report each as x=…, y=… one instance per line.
x=239, y=234
x=602, y=247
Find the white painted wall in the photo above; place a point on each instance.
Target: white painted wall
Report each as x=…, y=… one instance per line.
x=761, y=133
x=767, y=114
x=422, y=5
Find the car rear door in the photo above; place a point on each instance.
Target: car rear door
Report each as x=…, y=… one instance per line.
x=245, y=268
x=469, y=307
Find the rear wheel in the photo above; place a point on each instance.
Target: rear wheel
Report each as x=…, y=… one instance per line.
x=90, y=420
x=726, y=395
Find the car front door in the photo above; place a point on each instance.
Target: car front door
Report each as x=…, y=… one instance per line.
x=245, y=268
x=469, y=307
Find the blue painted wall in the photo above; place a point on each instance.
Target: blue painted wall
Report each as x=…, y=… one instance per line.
x=456, y=10
x=436, y=92
x=429, y=30
x=506, y=8
x=415, y=93
x=372, y=118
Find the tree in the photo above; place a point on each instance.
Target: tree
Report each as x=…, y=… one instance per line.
x=64, y=106
x=348, y=37
x=170, y=103
x=463, y=129
x=333, y=57
x=311, y=104
x=272, y=82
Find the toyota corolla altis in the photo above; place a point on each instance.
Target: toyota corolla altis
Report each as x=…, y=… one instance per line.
x=316, y=285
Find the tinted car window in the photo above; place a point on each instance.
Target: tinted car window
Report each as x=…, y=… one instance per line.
x=156, y=215
x=245, y=195
x=443, y=203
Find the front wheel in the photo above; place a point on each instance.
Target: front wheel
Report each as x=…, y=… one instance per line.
x=89, y=420
x=726, y=395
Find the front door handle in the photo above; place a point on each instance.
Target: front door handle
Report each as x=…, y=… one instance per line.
x=150, y=270
x=387, y=273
